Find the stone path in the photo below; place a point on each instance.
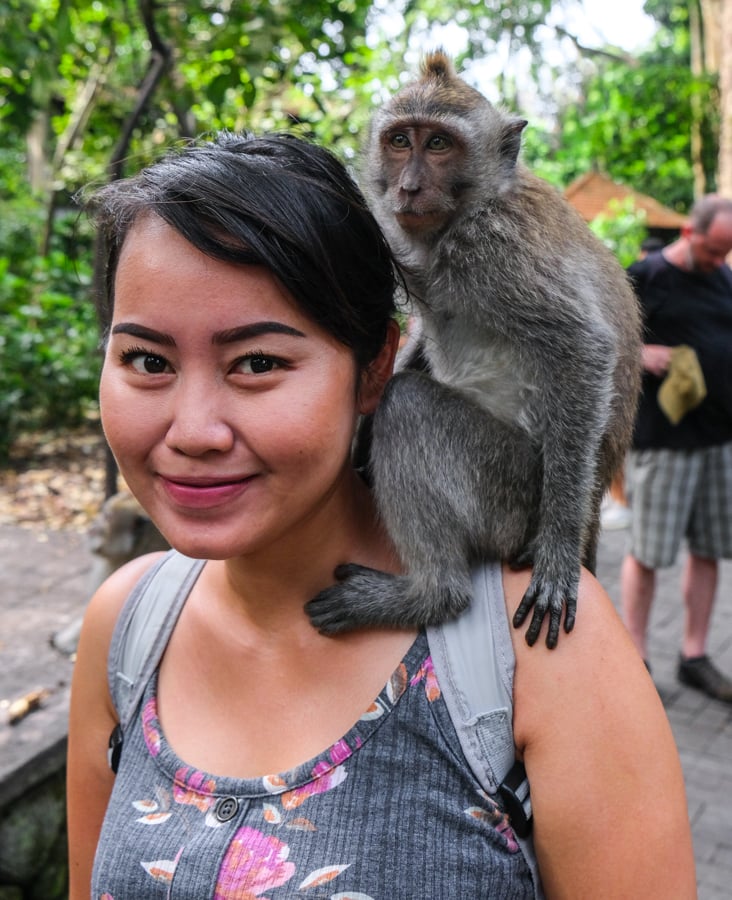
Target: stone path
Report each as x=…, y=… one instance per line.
x=43, y=589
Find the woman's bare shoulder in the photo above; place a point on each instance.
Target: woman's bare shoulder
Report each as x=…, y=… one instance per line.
x=594, y=737
x=595, y=661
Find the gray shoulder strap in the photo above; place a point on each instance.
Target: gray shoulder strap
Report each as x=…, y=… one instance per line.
x=144, y=627
x=474, y=663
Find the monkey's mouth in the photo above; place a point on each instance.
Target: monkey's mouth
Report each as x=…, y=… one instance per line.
x=415, y=221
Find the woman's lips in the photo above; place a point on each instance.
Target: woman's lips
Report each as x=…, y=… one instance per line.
x=204, y=493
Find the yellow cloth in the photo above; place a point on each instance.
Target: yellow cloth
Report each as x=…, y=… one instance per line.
x=683, y=388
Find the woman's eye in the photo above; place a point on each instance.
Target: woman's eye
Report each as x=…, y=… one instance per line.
x=258, y=364
x=145, y=363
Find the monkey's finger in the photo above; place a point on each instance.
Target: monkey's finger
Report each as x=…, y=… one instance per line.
x=555, y=618
x=570, y=614
x=537, y=620
x=523, y=610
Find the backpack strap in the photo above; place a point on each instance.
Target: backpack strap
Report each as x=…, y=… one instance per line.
x=141, y=635
x=474, y=663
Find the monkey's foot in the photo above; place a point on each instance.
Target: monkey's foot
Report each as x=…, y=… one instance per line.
x=550, y=597
x=361, y=598
x=366, y=597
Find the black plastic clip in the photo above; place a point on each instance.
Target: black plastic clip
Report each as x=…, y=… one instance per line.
x=116, y=739
x=515, y=807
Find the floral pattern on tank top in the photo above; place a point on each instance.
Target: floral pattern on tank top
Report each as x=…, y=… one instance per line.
x=257, y=861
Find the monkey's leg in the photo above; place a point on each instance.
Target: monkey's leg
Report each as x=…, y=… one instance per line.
x=413, y=360
x=564, y=536
x=447, y=478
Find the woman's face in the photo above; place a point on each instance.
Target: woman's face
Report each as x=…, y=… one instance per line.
x=230, y=413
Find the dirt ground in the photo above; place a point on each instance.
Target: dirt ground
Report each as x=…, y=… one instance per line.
x=54, y=481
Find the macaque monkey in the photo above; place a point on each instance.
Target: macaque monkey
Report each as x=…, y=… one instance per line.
x=530, y=331
x=120, y=532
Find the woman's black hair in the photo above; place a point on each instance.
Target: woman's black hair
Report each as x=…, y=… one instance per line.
x=277, y=201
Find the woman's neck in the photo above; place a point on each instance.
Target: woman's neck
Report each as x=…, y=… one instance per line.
x=271, y=586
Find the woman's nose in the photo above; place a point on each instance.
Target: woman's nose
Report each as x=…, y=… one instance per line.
x=198, y=424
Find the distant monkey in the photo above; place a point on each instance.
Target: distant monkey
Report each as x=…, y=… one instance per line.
x=530, y=331
x=120, y=532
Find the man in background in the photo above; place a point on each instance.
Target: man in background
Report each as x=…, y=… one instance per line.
x=681, y=470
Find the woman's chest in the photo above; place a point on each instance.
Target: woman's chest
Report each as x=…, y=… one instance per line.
x=250, y=713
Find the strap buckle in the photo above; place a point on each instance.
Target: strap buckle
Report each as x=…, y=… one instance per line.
x=514, y=793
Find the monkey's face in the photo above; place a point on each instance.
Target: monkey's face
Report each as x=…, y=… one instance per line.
x=423, y=174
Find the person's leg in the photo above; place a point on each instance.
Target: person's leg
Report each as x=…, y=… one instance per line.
x=617, y=488
x=695, y=668
x=699, y=586
x=710, y=539
x=637, y=587
x=661, y=500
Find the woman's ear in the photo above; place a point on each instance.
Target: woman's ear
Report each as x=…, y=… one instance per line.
x=379, y=371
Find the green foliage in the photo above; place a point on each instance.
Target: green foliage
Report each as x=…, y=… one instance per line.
x=49, y=346
x=71, y=75
x=622, y=229
x=633, y=120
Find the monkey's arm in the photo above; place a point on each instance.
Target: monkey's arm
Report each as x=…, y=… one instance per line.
x=610, y=815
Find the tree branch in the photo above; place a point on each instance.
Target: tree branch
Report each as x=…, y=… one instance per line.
x=615, y=55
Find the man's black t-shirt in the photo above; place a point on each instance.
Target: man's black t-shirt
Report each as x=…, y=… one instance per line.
x=686, y=308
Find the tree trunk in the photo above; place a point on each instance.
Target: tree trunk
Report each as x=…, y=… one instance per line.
x=38, y=167
x=701, y=17
x=724, y=173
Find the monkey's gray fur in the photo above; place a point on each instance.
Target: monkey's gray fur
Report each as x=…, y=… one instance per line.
x=531, y=333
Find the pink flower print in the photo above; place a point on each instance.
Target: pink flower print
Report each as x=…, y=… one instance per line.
x=254, y=863
x=427, y=672
x=504, y=828
x=192, y=787
x=338, y=753
x=150, y=727
x=293, y=799
x=496, y=818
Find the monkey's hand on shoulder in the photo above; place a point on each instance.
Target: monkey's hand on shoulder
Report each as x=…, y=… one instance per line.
x=547, y=593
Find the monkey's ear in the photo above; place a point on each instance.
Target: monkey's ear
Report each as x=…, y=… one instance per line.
x=511, y=139
x=378, y=372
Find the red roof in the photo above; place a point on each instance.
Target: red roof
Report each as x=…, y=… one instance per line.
x=591, y=194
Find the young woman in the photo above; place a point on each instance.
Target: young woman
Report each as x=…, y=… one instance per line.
x=251, y=326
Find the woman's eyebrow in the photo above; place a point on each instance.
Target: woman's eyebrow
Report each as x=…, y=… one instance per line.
x=228, y=336
x=252, y=330
x=147, y=334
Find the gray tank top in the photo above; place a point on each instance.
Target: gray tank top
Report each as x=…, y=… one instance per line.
x=391, y=811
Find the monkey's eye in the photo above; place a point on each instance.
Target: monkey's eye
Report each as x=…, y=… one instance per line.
x=399, y=141
x=439, y=142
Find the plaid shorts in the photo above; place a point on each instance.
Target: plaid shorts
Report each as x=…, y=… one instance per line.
x=677, y=494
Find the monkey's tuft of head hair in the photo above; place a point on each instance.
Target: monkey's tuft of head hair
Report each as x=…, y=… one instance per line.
x=440, y=92
x=438, y=65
